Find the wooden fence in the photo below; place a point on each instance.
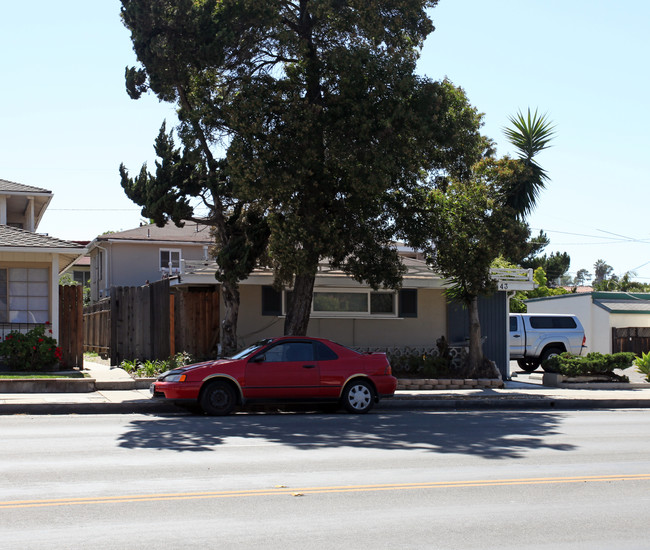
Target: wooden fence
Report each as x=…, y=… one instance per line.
x=634, y=339
x=71, y=325
x=153, y=322
x=97, y=327
x=196, y=322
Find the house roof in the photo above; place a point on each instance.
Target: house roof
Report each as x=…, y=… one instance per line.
x=18, y=197
x=623, y=302
x=613, y=302
x=191, y=232
x=13, y=239
x=419, y=274
x=13, y=188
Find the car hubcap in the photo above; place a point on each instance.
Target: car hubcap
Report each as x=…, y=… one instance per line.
x=359, y=396
x=219, y=399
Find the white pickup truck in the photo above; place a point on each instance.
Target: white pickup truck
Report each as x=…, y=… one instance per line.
x=538, y=336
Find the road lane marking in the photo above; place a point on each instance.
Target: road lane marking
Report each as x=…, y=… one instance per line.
x=75, y=501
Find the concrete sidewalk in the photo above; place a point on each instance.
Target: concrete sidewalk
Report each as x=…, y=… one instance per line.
x=116, y=394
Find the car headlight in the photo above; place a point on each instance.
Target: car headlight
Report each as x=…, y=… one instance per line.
x=179, y=377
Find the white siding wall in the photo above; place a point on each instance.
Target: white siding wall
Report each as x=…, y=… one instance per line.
x=601, y=339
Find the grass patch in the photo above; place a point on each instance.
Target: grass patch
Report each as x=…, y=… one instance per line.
x=36, y=375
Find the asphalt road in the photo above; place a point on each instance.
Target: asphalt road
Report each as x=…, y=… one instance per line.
x=417, y=479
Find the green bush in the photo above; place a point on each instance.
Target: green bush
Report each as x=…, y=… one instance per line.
x=643, y=365
x=593, y=363
x=31, y=351
x=427, y=364
x=152, y=368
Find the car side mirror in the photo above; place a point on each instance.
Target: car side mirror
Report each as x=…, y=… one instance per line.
x=259, y=359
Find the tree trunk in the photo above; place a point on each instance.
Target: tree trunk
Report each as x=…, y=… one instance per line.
x=475, y=347
x=230, y=294
x=299, y=310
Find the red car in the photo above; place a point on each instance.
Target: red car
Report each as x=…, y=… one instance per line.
x=286, y=369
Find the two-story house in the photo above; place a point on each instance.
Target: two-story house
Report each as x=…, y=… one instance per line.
x=145, y=254
x=30, y=263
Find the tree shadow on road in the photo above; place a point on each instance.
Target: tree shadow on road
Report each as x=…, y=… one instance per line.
x=494, y=435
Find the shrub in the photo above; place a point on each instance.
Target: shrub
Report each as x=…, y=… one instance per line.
x=591, y=364
x=152, y=368
x=31, y=351
x=643, y=365
x=428, y=364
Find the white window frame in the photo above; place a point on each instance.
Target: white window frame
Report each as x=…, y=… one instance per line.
x=348, y=314
x=24, y=302
x=167, y=269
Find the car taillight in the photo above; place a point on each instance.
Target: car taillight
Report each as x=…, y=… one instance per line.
x=389, y=370
x=584, y=340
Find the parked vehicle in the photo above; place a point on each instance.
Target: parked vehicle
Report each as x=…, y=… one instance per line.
x=285, y=369
x=535, y=337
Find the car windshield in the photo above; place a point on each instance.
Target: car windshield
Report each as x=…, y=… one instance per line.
x=250, y=349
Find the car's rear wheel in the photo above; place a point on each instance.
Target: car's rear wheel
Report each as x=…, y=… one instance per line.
x=527, y=365
x=358, y=397
x=218, y=398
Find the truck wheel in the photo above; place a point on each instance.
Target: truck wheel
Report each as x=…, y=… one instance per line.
x=528, y=365
x=550, y=352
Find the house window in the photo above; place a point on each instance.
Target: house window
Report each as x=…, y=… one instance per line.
x=100, y=266
x=170, y=260
x=271, y=301
x=4, y=295
x=27, y=296
x=408, y=302
x=81, y=277
x=337, y=303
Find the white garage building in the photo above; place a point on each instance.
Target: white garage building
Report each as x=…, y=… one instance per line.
x=603, y=314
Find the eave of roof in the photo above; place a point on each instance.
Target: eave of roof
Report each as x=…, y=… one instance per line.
x=14, y=188
x=191, y=233
x=14, y=239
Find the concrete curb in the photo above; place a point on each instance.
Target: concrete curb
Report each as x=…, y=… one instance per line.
x=533, y=403
x=125, y=407
x=155, y=407
x=48, y=385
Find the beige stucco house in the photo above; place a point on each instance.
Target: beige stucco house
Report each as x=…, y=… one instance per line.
x=30, y=263
x=145, y=254
x=342, y=310
x=357, y=316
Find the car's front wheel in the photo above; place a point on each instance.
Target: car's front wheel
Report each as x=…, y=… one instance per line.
x=358, y=397
x=218, y=398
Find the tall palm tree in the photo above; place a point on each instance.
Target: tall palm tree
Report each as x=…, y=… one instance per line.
x=530, y=134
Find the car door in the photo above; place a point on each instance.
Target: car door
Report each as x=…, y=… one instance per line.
x=517, y=337
x=286, y=370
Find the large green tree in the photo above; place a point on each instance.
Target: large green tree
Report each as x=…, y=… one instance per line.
x=467, y=224
x=470, y=225
x=555, y=265
x=314, y=111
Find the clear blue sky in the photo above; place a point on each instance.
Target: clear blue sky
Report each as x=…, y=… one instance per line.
x=67, y=123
